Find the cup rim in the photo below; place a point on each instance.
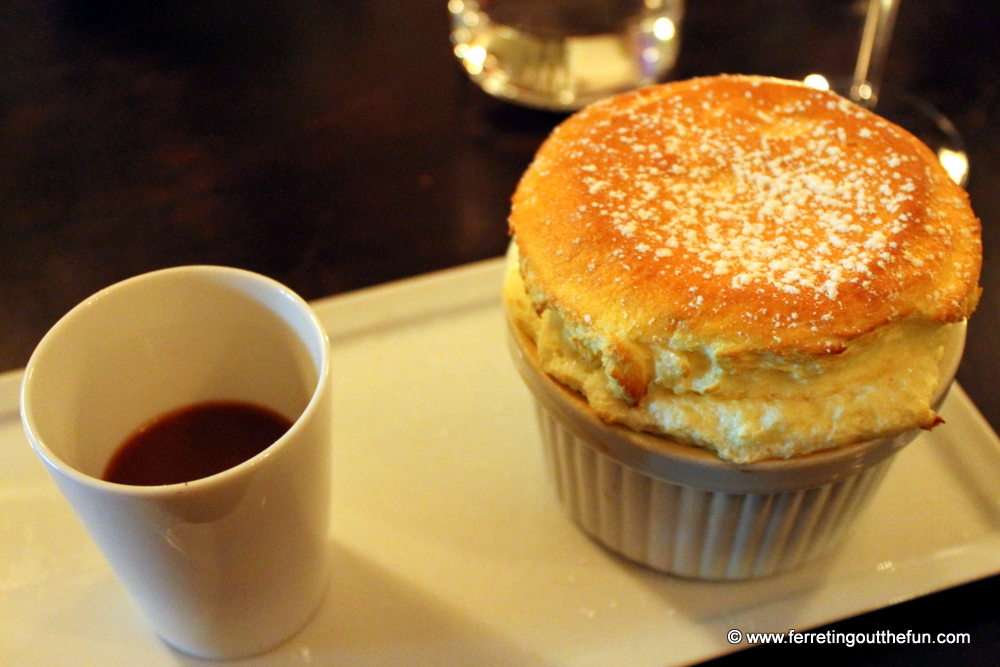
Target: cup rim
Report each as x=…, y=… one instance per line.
x=692, y=466
x=56, y=463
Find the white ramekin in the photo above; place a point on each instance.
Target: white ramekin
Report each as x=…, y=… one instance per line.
x=685, y=511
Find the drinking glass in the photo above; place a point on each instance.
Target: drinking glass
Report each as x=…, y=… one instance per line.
x=561, y=55
x=900, y=107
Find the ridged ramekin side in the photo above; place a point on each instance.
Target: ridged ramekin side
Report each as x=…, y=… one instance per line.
x=692, y=532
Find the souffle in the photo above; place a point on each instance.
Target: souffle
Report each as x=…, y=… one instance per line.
x=742, y=264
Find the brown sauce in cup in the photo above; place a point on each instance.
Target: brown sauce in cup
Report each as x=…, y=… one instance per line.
x=195, y=442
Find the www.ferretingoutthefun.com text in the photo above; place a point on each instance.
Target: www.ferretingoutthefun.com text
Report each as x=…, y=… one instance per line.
x=847, y=638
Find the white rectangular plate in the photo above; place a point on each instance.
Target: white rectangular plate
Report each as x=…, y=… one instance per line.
x=450, y=548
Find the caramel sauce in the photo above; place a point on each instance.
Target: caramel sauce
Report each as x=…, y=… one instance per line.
x=195, y=442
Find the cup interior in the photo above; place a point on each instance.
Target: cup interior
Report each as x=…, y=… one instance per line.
x=162, y=341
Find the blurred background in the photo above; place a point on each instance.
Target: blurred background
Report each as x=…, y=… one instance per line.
x=334, y=145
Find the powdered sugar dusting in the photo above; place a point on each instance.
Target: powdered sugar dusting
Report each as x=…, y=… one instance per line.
x=749, y=193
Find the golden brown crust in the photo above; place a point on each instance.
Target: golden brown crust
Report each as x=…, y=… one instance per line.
x=755, y=215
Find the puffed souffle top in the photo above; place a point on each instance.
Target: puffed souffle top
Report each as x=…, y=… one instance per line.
x=743, y=264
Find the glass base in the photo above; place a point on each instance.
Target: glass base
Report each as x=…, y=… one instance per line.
x=930, y=126
x=926, y=123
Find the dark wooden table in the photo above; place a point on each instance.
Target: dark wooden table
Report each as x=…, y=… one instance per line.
x=336, y=144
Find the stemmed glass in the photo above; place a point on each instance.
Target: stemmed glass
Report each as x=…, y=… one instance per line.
x=905, y=109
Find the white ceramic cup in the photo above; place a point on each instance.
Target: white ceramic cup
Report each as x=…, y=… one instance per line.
x=229, y=565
